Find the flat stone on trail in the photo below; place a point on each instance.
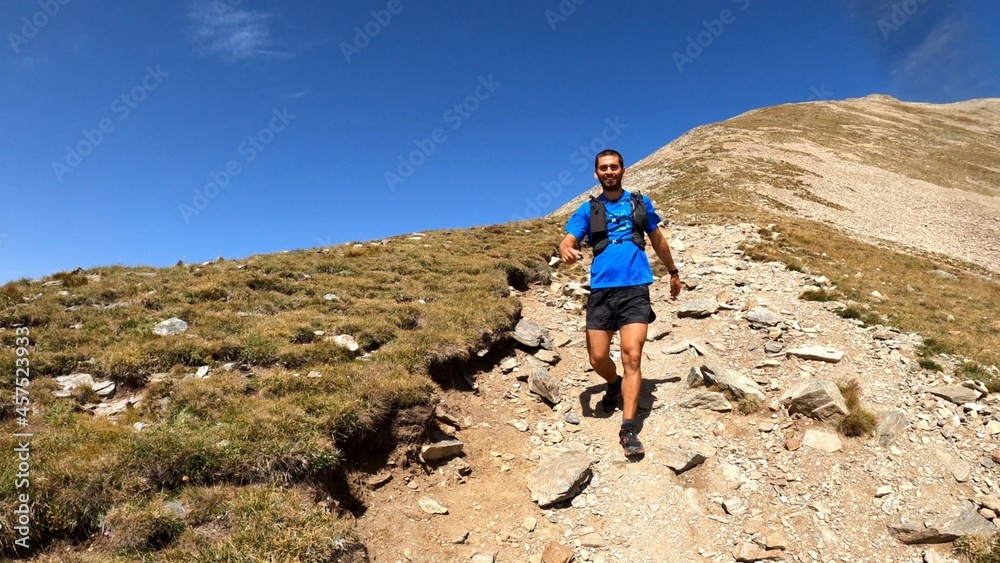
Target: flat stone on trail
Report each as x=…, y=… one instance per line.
x=698, y=309
x=954, y=393
x=684, y=457
x=763, y=316
x=508, y=365
x=817, y=353
x=531, y=335
x=822, y=441
x=431, y=506
x=816, y=398
x=708, y=400
x=559, y=478
x=441, y=450
x=170, y=327
x=725, y=378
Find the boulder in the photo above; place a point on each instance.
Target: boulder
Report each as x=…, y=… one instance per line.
x=694, y=378
x=531, y=335
x=963, y=521
x=542, y=383
x=681, y=458
x=441, y=450
x=170, y=327
x=762, y=316
x=727, y=379
x=557, y=553
x=707, y=400
x=816, y=398
x=560, y=478
x=891, y=424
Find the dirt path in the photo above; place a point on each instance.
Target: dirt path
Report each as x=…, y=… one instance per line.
x=756, y=487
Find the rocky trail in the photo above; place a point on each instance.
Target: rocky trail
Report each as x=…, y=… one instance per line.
x=517, y=477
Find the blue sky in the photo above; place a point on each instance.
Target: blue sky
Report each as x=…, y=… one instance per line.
x=147, y=132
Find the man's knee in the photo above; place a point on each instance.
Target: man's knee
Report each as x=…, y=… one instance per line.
x=598, y=357
x=632, y=359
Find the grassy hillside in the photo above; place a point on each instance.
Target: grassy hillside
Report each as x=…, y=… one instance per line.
x=234, y=463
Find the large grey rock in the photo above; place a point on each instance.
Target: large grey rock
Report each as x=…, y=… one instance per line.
x=817, y=353
x=698, y=309
x=727, y=379
x=763, y=316
x=542, y=383
x=559, y=478
x=964, y=521
x=890, y=426
x=816, y=398
x=708, y=400
x=681, y=458
x=532, y=335
x=170, y=327
x=957, y=394
x=441, y=450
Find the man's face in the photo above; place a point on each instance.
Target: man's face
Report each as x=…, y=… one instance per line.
x=609, y=171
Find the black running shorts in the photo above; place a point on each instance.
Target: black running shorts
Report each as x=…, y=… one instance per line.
x=614, y=307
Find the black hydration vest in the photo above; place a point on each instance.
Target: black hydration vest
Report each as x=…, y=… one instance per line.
x=599, y=223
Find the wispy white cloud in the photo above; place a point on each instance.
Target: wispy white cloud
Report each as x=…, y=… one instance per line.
x=299, y=94
x=232, y=34
x=930, y=51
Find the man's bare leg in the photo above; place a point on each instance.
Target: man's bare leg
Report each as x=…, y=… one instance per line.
x=599, y=348
x=633, y=338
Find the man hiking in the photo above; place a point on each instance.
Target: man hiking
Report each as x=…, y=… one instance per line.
x=616, y=223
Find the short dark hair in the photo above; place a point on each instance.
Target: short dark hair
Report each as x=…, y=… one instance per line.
x=609, y=152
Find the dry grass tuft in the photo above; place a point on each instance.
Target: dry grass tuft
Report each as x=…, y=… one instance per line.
x=978, y=548
x=748, y=405
x=858, y=422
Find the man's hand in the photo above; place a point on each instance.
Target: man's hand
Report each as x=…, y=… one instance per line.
x=568, y=252
x=675, y=286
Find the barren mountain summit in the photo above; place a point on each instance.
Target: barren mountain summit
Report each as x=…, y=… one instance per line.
x=924, y=176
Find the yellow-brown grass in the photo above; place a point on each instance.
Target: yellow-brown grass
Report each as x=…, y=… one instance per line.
x=410, y=304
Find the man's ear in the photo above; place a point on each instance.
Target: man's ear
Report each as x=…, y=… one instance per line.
x=596, y=177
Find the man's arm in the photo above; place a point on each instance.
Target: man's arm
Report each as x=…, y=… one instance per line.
x=662, y=249
x=568, y=252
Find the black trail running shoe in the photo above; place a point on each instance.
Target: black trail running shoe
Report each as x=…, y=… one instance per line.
x=610, y=400
x=631, y=444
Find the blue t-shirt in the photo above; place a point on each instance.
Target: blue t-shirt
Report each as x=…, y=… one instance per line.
x=622, y=263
